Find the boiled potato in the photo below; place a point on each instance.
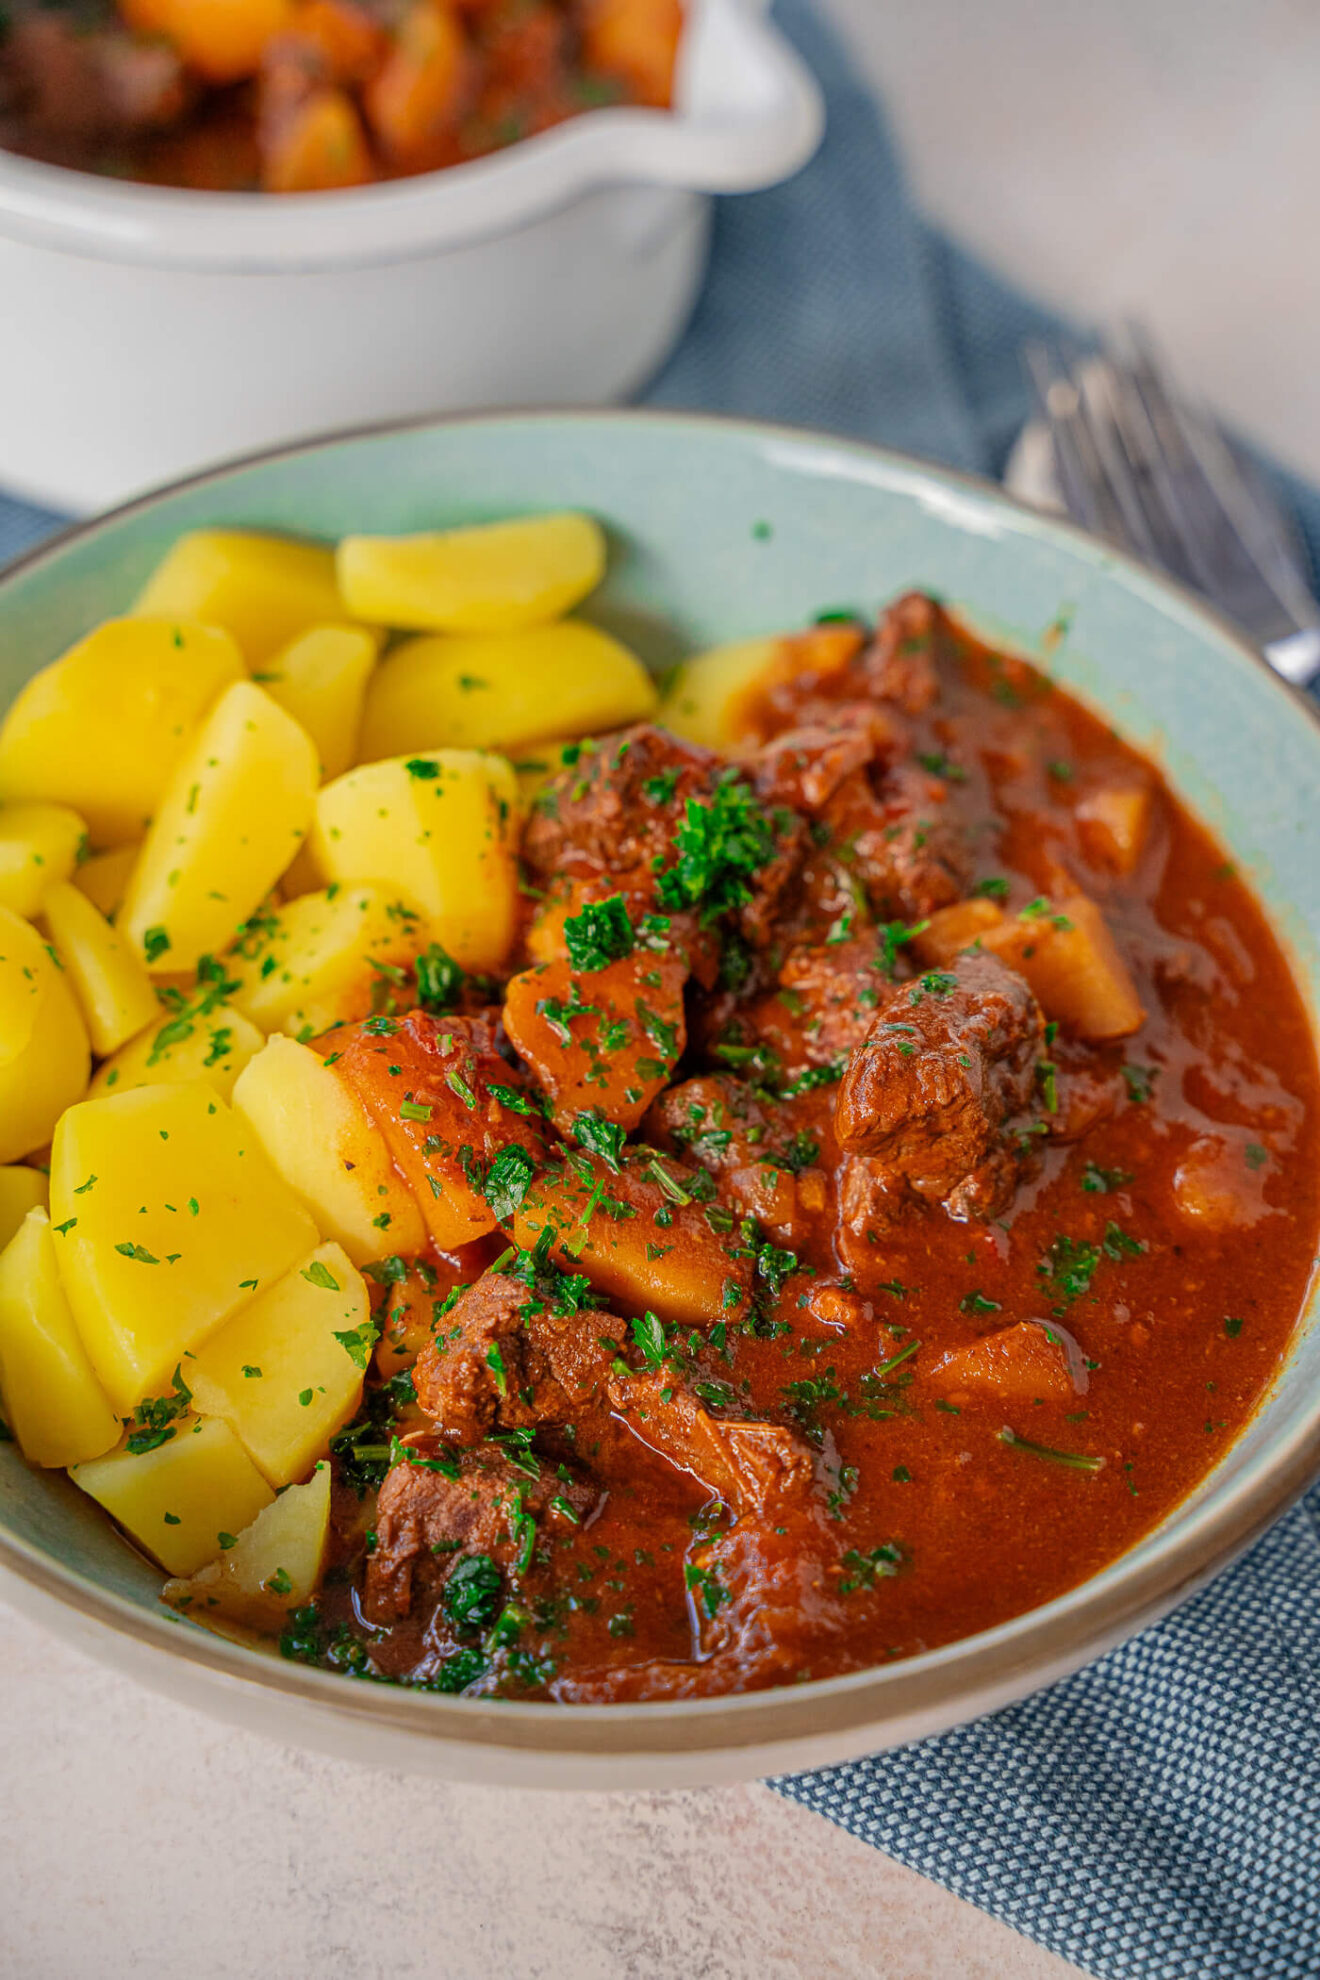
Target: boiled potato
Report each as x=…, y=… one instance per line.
x=234, y=814
x=182, y=1500
x=948, y=931
x=321, y=1139
x=21, y=1189
x=104, y=877
x=1114, y=823
x=441, y=828
x=493, y=577
x=44, y=1054
x=287, y=1371
x=274, y=1567
x=1072, y=962
x=264, y=590
x=318, y=960
x=101, y=729
x=503, y=690
x=167, y=1219
x=39, y=845
x=53, y=1402
x=320, y=678
x=111, y=985
x=214, y=1046
x=712, y=698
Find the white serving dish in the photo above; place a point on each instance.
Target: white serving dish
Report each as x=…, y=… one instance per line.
x=146, y=331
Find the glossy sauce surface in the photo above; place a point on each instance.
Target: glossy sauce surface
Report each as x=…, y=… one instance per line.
x=1160, y=1227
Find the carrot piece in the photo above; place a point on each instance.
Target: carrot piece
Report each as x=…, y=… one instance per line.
x=414, y=99
x=636, y=41
x=320, y=146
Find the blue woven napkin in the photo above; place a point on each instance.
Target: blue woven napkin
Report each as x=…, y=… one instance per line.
x=1158, y=1814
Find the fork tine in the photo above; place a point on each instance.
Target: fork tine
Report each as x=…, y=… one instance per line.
x=1083, y=482
x=1260, y=530
x=1097, y=391
x=1154, y=444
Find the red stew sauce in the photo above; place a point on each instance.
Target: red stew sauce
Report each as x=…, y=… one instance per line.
x=903, y=1136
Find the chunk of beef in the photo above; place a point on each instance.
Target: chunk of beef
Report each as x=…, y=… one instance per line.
x=899, y=838
x=617, y=808
x=932, y=1094
x=485, y=1365
x=435, y=1507
x=900, y=664
x=765, y=1153
x=822, y=1009
x=755, y=1467
x=804, y=766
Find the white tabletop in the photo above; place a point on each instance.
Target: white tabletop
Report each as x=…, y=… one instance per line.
x=142, y=1842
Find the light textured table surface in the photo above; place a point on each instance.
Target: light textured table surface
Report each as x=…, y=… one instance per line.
x=1159, y=158
x=141, y=1840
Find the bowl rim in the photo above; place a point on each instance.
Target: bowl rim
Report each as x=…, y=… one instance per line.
x=851, y=1713
x=749, y=112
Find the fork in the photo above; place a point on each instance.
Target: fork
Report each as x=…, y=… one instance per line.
x=1139, y=463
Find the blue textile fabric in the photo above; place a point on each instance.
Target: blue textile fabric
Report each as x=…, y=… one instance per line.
x=1159, y=1813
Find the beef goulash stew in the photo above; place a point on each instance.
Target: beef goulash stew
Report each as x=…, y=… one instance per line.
x=314, y=95
x=563, y=1191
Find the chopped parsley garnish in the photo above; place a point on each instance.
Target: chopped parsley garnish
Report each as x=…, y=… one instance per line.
x=865, y=1570
x=976, y=1302
x=153, y=1421
x=1074, y=1460
x=706, y=1587
x=1140, y=1083
x=993, y=888
x=722, y=843
x=1103, y=1182
x=602, y=933
x=357, y=1342
x=471, y=1596
x=155, y=941
x=318, y=1274
x=600, y=1137
x=508, y=1179
x=439, y=979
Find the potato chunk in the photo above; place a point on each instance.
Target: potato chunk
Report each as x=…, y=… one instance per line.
x=318, y=960
x=440, y=829
x=1031, y=1362
x=213, y=1047
x=101, y=729
x=274, y=1567
x=492, y=577
x=264, y=590
x=236, y=811
x=635, y=1243
x=182, y=1500
x=38, y=848
x=712, y=698
x=168, y=1218
x=950, y=930
x=324, y=1143
x=44, y=1054
x=320, y=679
x=21, y=1189
x=53, y=1402
x=288, y=1369
x=112, y=987
x=1114, y=822
x=606, y=1039
x=1070, y=959
x=104, y=877
x=503, y=690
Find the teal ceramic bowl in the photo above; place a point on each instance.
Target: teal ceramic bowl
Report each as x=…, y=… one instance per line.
x=722, y=529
